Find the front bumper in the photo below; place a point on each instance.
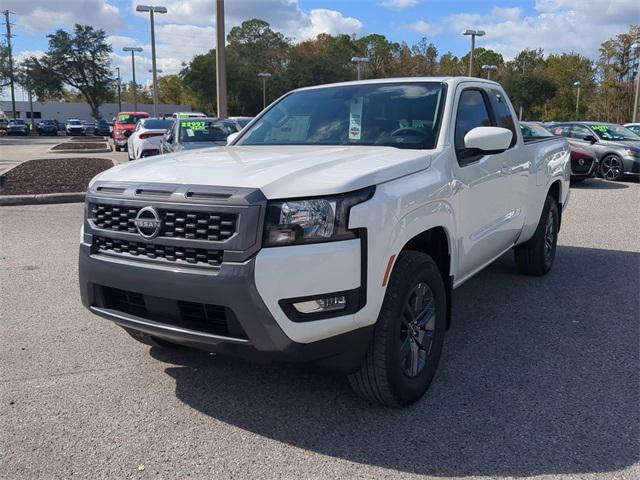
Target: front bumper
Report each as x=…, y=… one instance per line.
x=120, y=142
x=631, y=165
x=252, y=333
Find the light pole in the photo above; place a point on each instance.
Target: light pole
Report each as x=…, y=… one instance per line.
x=133, y=50
x=153, y=10
x=264, y=76
x=489, y=69
x=221, y=71
x=153, y=90
x=637, y=66
x=119, y=91
x=358, y=61
x=473, y=34
x=577, y=84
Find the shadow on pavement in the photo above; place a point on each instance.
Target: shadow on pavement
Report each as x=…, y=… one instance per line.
x=598, y=184
x=539, y=376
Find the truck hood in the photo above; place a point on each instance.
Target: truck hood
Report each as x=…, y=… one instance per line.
x=279, y=171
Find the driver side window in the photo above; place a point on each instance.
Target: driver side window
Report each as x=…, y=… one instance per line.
x=472, y=112
x=579, y=132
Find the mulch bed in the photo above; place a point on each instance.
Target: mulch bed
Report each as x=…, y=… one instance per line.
x=52, y=175
x=80, y=146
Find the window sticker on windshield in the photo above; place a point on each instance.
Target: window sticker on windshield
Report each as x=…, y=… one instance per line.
x=355, y=119
x=600, y=128
x=124, y=117
x=190, y=132
x=195, y=126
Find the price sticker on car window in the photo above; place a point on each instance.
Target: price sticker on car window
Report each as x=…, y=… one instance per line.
x=355, y=119
x=600, y=128
x=195, y=125
x=189, y=132
x=124, y=117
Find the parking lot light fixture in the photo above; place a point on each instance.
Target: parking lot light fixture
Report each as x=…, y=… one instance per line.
x=473, y=34
x=577, y=84
x=489, y=69
x=264, y=76
x=153, y=10
x=359, y=61
x=133, y=50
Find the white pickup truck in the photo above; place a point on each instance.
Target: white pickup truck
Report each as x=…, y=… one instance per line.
x=332, y=230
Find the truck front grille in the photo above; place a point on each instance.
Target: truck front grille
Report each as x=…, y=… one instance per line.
x=154, y=251
x=191, y=225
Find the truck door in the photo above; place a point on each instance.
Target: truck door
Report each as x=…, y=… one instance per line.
x=483, y=195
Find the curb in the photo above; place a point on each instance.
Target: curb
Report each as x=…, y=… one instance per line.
x=41, y=199
x=77, y=152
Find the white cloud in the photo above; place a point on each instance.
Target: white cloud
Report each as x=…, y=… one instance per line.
x=425, y=28
x=47, y=15
x=556, y=26
x=322, y=20
x=399, y=4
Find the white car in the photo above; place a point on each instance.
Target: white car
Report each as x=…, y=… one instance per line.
x=332, y=230
x=75, y=126
x=145, y=139
x=634, y=127
x=188, y=115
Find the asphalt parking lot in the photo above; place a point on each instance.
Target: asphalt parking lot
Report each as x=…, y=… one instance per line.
x=539, y=376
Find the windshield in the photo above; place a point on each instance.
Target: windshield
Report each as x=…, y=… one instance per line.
x=17, y=122
x=399, y=115
x=205, y=131
x=126, y=119
x=157, y=124
x=534, y=131
x=74, y=122
x=614, y=132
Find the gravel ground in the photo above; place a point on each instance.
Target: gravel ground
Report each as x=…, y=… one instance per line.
x=539, y=376
x=79, y=146
x=52, y=175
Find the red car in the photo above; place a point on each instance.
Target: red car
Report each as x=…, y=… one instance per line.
x=124, y=126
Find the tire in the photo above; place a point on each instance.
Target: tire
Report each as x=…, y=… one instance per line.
x=151, y=340
x=395, y=370
x=117, y=148
x=536, y=256
x=611, y=168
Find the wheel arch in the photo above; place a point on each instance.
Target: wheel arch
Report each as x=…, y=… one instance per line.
x=555, y=191
x=436, y=242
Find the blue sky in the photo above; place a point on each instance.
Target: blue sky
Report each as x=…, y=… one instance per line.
x=189, y=28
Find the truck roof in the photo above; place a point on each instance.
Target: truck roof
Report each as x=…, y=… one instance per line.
x=452, y=81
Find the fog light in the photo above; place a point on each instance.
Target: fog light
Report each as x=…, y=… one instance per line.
x=318, y=305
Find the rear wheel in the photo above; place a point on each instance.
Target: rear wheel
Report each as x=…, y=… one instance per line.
x=611, y=167
x=536, y=256
x=405, y=348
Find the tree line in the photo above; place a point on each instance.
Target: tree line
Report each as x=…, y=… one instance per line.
x=541, y=87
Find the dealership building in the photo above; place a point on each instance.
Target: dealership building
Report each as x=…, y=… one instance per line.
x=62, y=111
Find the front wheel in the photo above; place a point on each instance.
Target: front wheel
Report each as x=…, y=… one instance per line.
x=611, y=168
x=536, y=256
x=405, y=348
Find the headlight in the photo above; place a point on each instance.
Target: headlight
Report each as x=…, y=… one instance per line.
x=313, y=220
x=632, y=153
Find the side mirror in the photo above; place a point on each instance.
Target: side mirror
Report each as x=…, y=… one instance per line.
x=488, y=140
x=590, y=138
x=232, y=137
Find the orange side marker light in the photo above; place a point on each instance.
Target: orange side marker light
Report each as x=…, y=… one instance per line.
x=387, y=272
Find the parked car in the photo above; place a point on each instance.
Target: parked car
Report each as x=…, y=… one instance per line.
x=101, y=127
x=192, y=133
x=75, y=127
x=332, y=230
x=584, y=164
x=17, y=127
x=616, y=148
x=241, y=121
x=47, y=127
x=634, y=127
x=89, y=127
x=124, y=126
x=188, y=115
x=145, y=139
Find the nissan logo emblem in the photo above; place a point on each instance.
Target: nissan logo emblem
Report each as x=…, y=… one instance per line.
x=148, y=222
